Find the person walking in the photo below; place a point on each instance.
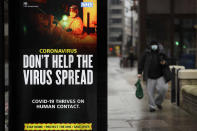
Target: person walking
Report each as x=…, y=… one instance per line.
x=153, y=65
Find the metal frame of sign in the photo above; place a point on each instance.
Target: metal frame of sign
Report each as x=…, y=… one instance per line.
x=2, y=87
x=102, y=53
x=2, y=81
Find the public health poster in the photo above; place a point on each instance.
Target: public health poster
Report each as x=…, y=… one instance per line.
x=54, y=65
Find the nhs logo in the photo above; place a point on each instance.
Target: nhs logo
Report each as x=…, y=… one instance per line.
x=86, y=4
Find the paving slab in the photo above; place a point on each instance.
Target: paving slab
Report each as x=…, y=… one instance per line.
x=118, y=124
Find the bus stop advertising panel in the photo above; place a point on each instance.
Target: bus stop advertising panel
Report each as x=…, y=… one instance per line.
x=55, y=65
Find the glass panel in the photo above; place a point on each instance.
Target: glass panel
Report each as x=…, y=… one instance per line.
x=185, y=6
x=185, y=42
x=158, y=6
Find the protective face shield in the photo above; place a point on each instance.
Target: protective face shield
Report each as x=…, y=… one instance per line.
x=73, y=11
x=154, y=47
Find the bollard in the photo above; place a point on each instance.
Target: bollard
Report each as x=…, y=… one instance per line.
x=175, y=83
x=178, y=88
x=173, y=89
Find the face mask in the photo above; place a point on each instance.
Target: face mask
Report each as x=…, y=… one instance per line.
x=73, y=14
x=154, y=47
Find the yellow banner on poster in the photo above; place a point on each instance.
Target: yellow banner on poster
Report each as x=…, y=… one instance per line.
x=57, y=126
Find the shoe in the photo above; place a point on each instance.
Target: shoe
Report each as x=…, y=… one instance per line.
x=152, y=110
x=159, y=107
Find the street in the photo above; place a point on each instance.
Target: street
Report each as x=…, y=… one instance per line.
x=127, y=113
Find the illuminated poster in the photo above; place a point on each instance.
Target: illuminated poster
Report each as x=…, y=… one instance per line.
x=54, y=65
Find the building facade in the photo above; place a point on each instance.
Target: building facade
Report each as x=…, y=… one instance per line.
x=119, y=27
x=172, y=23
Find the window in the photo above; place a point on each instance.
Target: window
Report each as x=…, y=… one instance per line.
x=115, y=30
x=115, y=21
x=115, y=2
x=113, y=38
x=117, y=38
x=116, y=11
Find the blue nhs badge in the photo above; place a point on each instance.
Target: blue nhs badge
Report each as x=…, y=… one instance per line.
x=86, y=4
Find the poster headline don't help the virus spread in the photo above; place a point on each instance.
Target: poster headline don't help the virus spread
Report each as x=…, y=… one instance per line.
x=58, y=69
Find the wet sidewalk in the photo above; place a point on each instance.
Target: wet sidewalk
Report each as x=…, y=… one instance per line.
x=127, y=113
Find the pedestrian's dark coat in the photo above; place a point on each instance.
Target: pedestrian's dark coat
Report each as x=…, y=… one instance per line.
x=144, y=64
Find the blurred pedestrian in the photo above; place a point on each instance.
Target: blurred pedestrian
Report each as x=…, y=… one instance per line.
x=131, y=57
x=153, y=65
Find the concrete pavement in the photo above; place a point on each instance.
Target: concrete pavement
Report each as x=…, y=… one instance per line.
x=127, y=113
